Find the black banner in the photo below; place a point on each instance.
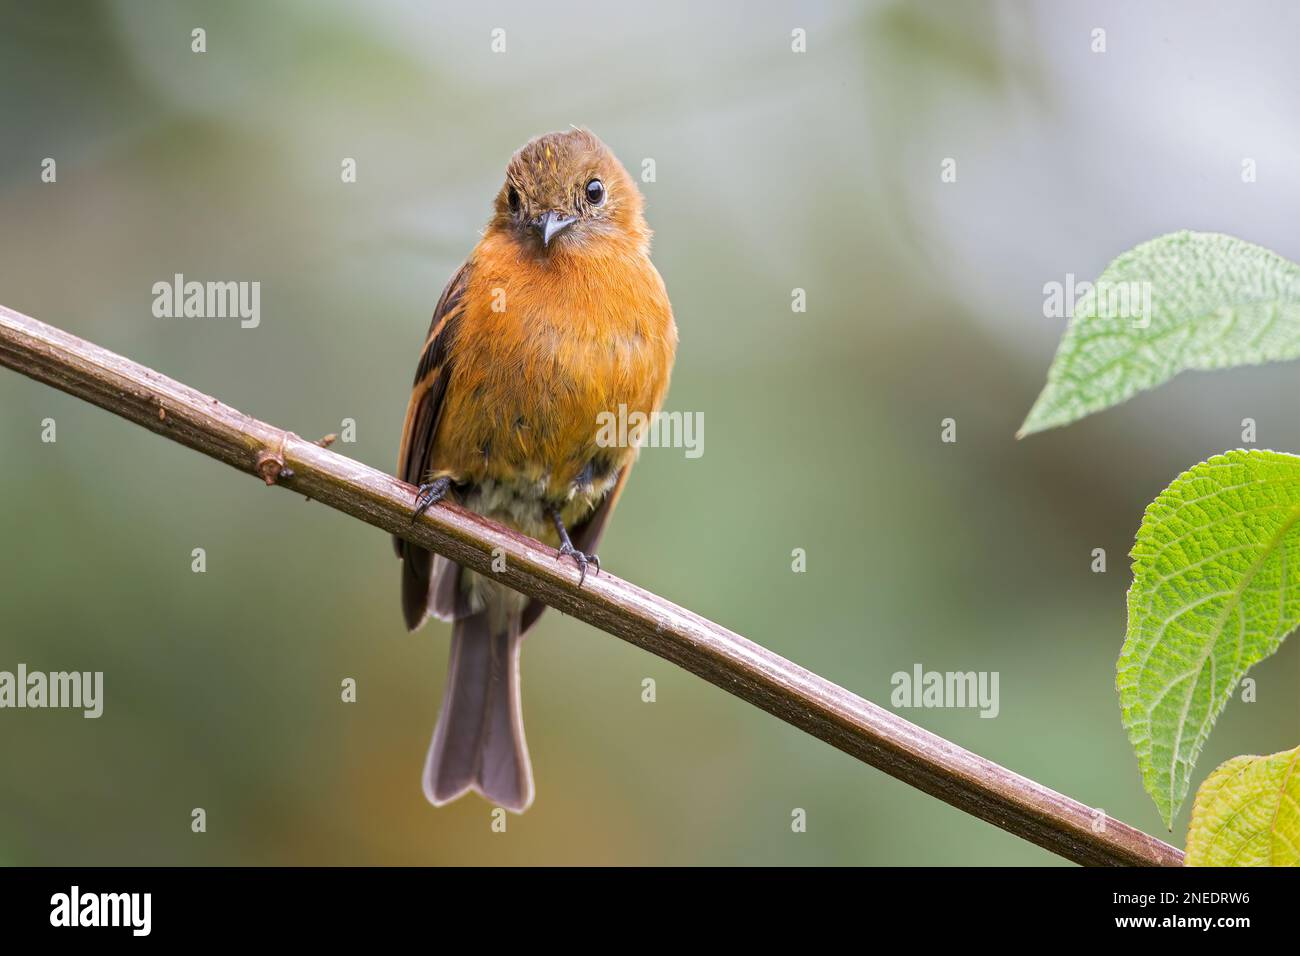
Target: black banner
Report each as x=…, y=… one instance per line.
x=623, y=906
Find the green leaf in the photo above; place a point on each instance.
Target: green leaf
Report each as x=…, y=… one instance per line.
x=1214, y=592
x=1247, y=813
x=1214, y=302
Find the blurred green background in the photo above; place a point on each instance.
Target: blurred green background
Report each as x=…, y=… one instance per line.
x=775, y=170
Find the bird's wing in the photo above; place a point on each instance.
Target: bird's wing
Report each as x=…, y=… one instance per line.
x=423, y=412
x=425, y=406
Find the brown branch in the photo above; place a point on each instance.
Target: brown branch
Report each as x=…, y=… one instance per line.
x=741, y=667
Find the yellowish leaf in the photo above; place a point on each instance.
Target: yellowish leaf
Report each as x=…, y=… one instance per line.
x=1247, y=813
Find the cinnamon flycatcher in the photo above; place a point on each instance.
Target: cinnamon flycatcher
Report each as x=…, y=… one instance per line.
x=556, y=317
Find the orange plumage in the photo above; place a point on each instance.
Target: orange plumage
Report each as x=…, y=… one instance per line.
x=557, y=317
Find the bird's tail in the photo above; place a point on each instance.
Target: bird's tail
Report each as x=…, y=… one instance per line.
x=479, y=741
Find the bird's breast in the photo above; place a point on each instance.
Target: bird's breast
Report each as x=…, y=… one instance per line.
x=544, y=351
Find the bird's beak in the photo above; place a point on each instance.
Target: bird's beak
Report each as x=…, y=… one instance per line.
x=549, y=224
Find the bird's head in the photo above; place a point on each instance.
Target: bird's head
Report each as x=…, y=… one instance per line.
x=567, y=191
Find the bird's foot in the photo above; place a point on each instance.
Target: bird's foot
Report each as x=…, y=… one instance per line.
x=568, y=550
x=428, y=495
x=581, y=560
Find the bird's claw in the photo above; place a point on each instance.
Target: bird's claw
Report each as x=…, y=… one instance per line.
x=428, y=495
x=580, y=559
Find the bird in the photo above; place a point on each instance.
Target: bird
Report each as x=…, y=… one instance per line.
x=556, y=320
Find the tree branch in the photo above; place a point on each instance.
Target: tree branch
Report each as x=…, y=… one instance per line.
x=741, y=667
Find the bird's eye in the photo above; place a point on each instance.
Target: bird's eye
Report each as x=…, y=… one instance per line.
x=595, y=192
x=513, y=198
